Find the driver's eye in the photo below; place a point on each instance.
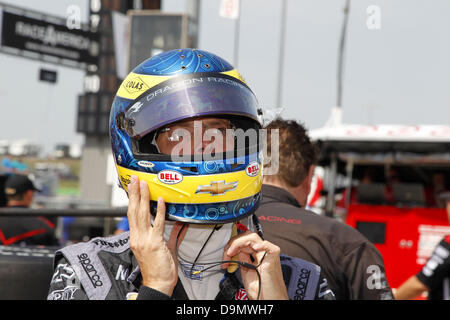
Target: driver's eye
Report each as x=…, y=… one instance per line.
x=174, y=137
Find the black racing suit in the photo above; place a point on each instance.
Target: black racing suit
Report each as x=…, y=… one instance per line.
x=436, y=272
x=352, y=265
x=105, y=268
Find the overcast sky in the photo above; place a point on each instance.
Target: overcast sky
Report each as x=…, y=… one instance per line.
x=398, y=74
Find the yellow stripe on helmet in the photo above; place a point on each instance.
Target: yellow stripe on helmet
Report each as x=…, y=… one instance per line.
x=136, y=84
x=211, y=188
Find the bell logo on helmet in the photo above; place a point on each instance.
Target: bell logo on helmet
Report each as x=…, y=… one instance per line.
x=217, y=187
x=135, y=85
x=252, y=169
x=170, y=177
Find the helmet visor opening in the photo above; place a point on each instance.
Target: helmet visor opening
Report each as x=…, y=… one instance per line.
x=242, y=139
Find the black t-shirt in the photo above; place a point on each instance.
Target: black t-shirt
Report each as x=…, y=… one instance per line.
x=352, y=265
x=27, y=230
x=436, y=272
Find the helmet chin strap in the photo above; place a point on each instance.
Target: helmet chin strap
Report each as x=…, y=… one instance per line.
x=198, y=236
x=201, y=250
x=233, y=263
x=177, y=233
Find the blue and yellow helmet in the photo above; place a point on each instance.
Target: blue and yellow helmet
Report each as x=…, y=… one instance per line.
x=178, y=85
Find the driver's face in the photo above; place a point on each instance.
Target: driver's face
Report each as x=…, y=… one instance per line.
x=198, y=136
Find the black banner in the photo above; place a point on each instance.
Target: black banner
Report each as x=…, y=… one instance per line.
x=52, y=39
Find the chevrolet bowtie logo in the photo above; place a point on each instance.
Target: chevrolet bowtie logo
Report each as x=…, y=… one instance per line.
x=217, y=187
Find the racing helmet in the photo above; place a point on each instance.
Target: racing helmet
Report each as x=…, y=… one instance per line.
x=176, y=86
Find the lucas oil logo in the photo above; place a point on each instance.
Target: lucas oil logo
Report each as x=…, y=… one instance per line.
x=170, y=177
x=252, y=169
x=135, y=85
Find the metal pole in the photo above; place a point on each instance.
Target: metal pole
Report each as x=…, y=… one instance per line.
x=341, y=52
x=236, y=37
x=329, y=210
x=281, y=53
x=348, y=189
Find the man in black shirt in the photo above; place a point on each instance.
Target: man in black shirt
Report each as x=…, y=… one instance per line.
x=352, y=265
x=19, y=190
x=434, y=277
